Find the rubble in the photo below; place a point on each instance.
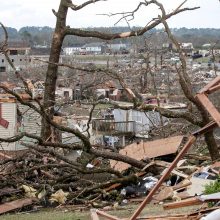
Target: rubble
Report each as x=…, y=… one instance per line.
x=199, y=176
x=43, y=178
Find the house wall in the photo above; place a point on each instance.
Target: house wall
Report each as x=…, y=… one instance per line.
x=9, y=113
x=100, y=92
x=30, y=122
x=61, y=92
x=71, y=50
x=20, y=61
x=94, y=49
x=143, y=120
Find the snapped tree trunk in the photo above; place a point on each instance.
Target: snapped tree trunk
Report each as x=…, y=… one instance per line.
x=52, y=70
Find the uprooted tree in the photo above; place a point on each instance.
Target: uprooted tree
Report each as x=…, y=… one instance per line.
x=44, y=145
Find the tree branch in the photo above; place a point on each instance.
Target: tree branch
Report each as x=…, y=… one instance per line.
x=105, y=36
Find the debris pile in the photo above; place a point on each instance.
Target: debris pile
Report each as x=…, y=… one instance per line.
x=36, y=179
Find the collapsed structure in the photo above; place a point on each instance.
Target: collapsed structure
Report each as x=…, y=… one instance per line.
x=202, y=96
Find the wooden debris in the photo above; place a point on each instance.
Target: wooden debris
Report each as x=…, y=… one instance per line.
x=210, y=107
x=93, y=214
x=193, y=201
x=96, y=213
x=17, y=204
x=150, y=149
x=183, y=203
x=164, y=194
x=8, y=191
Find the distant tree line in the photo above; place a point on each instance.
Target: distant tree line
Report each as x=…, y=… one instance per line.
x=43, y=35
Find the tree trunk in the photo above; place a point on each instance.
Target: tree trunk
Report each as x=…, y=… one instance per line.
x=212, y=145
x=52, y=70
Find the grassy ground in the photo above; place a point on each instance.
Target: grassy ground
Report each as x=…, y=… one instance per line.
x=48, y=215
x=97, y=57
x=125, y=211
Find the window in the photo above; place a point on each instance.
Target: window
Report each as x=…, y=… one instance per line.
x=12, y=60
x=2, y=69
x=3, y=60
x=20, y=59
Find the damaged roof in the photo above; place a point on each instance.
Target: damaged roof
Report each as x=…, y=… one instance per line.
x=150, y=149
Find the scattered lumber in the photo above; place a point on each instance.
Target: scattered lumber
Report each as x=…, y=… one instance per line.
x=17, y=204
x=183, y=203
x=193, y=201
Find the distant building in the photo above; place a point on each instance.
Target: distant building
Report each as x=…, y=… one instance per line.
x=95, y=48
x=20, y=62
x=64, y=92
x=18, y=48
x=72, y=50
x=167, y=46
x=18, y=52
x=187, y=48
x=117, y=48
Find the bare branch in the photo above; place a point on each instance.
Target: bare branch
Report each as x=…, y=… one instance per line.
x=78, y=7
x=139, y=32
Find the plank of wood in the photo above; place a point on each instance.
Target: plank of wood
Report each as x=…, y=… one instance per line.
x=213, y=83
x=183, y=203
x=5, y=156
x=93, y=214
x=213, y=89
x=106, y=215
x=209, y=107
x=182, y=185
x=17, y=204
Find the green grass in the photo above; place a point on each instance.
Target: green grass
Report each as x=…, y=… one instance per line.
x=103, y=106
x=202, y=60
x=123, y=212
x=97, y=57
x=48, y=215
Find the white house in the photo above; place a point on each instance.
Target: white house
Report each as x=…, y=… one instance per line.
x=12, y=123
x=8, y=122
x=72, y=50
x=96, y=48
x=64, y=92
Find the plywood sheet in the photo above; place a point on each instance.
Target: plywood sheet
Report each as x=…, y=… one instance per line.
x=150, y=149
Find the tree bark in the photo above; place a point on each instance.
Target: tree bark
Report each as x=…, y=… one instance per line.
x=52, y=70
x=212, y=145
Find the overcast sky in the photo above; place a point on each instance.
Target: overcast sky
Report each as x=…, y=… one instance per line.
x=19, y=13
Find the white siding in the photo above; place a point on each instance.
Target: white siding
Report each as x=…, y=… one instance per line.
x=143, y=120
x=31, y=123
x=9, y=113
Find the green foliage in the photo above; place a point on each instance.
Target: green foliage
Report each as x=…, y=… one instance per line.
x=213, y=187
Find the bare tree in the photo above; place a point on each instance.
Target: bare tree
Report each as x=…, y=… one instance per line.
x=184, y=81
x=61, y=31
